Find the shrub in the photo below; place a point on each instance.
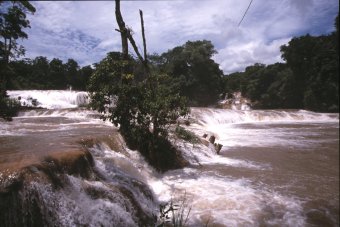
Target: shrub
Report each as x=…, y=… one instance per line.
x=186, y=135
x=8, y=108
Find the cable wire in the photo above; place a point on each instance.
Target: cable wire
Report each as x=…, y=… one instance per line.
x=244, y=13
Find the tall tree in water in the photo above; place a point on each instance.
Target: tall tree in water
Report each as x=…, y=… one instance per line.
x=12, y=22
x=142, y=108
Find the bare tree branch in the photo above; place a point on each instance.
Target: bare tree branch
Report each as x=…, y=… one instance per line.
x=122, y=30
x=135, y=48
x=126, y=35
x=143, y=35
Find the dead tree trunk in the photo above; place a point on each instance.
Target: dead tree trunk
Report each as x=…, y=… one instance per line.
x=126, y=35
x=143, y=35
x=123, y=31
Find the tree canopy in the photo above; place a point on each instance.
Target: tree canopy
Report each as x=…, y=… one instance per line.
x=193, y=70
x=142, y=109
x=42, y=73
x=12, y=22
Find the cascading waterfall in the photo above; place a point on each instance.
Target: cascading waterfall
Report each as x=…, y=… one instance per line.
x=276, y=168
x=210, y=116
x=69, y=191
x=51, y=99
x=43, y=168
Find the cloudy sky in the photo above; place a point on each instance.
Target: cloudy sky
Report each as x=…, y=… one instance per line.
x=85, y=30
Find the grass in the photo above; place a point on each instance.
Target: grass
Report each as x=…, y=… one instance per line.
x=186, y=135
x=175, y=213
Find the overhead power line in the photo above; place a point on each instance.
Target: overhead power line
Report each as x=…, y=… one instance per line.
x=244, y=13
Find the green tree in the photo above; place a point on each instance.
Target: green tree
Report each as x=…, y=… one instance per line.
x=71, y=73
x=21, y=74
x=40, y=75
x=83, y=77
x=281, y=92
x=193, y=69
x=299, y=55
x=336, y=24
x=57, y=73
x=12, y=22
x=315, y=65
x=142, y=110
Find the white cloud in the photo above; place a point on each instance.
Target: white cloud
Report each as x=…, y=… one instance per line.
x=236, y=57
x=84, y=30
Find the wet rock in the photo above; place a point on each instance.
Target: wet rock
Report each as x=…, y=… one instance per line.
x=212, y=139
x=33, y=169
x=218, y=147
x=74, y=162
x=42, y=193
x=235, y=101
x=205, y=142
x=115, y=142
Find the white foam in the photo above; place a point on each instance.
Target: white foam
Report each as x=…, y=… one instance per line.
x=6, y=129
x=128, y=168
x=226, y=201
x=209, y=116
x=51, y=99
x=74, y=207
x=199, y=154
x=69, y=113
x=255, y=128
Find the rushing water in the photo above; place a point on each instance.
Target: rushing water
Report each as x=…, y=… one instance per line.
x=276, y=167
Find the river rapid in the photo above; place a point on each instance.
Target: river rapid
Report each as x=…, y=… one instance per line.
x=276, y=167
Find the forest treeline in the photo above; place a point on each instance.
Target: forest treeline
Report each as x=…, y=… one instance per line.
x=43, y=74
x=189, y=66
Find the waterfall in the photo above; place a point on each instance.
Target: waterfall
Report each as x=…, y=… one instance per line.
x=50, y=99
x=208, y=116
x=75, y=188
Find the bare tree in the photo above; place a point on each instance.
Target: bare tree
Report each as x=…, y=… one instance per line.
x=122, y=29
x=126, y=35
